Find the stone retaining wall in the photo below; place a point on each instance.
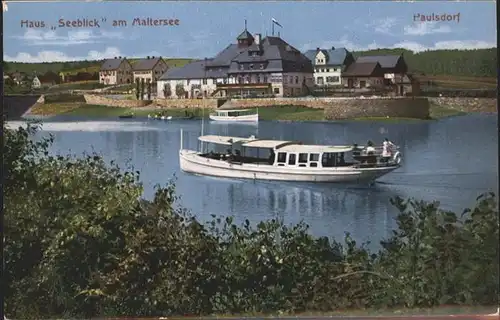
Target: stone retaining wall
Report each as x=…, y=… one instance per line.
x=186, y=103
x=344, y=108
x=466, y=104
x=417, y=108
x=99, y=100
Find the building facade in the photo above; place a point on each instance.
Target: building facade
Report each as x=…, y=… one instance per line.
x=252, y=67
x=115, y=71
x=368, y=75
x=329, y=64
x=149, y=69
x=396, y=76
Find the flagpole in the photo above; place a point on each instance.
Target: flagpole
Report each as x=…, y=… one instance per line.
x=272, y=22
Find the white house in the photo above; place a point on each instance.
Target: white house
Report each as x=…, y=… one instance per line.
x=115, y=71
x=36, y=84
x=251, y=67
x=329, y=64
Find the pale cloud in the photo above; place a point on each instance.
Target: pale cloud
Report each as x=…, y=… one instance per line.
x=426, y=28
x=36, y=37
x=59, y=56
x=446, y=45
x=410, y=45
x=383, y=26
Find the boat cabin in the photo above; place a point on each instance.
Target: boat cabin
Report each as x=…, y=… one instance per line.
x=234, y=113
x=276, y=152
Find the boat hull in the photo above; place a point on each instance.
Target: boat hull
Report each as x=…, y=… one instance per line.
x=192, y=162
x=245, y=118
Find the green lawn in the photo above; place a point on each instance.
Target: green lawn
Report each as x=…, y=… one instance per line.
x=438, y=112
x=283, y=113
x=80, y=85
x=291, y=113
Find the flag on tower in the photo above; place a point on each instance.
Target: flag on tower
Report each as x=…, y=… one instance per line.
x=276, y=22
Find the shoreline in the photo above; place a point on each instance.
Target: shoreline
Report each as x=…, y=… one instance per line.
x=275, y=113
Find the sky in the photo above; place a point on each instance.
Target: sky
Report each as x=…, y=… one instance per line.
x=205, y=28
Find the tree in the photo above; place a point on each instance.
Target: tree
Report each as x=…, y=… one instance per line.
x=142, y=88
x=167, y=90
x=149, y=89
x=179, y=90
x=137, y=89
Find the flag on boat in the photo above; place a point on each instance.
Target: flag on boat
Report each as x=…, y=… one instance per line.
x=276, y=22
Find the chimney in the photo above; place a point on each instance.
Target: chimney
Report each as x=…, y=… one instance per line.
x=152, y=57
x=115, y=57
x=147, y=57
x=257, y=38
x=317, y=49
x=333, y=48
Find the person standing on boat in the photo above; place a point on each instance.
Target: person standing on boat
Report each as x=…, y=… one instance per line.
x=387, y=150
x=370, y=150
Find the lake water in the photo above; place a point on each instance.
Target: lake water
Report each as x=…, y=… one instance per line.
x=452, y=161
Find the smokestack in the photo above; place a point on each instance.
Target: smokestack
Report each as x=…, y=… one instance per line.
x=147, y=57
x=257, y=38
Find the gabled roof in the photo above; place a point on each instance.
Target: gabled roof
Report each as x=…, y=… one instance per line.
x=363, y=69
x=146, y=64
x=334, y=56
x=224, y=57
x=276, y=55
x=389, y=61
x=244, y=35
x=112, y=64
x=192, y=70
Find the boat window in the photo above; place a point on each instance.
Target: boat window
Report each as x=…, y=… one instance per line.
x=282, y=157
x=328, y=160
x=292, y=158
x=313, y=164
x=314, y=157
x=302, y=157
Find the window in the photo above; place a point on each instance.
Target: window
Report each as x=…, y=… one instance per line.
x=251, y=66
x=328, y=160
x=242, y=67
x=292, y=158
x=302, y=157
x=261, y=66
x=276, y=90
x=332, y=79
x=314, y=157
x=313, y=164
x=204, y=81
x=296, y=80
x=327, y=70
x=319, y=80
x=282, y=157
x=362, y=84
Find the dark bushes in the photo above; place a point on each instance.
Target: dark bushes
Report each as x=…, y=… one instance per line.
x=81, y=243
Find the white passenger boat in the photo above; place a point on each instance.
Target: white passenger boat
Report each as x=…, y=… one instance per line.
x=252, y=158
x=238, y=115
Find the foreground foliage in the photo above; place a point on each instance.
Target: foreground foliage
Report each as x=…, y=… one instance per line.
x=80, y=242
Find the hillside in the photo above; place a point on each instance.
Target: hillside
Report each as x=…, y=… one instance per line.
x=448, y=63
x=73, y=67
